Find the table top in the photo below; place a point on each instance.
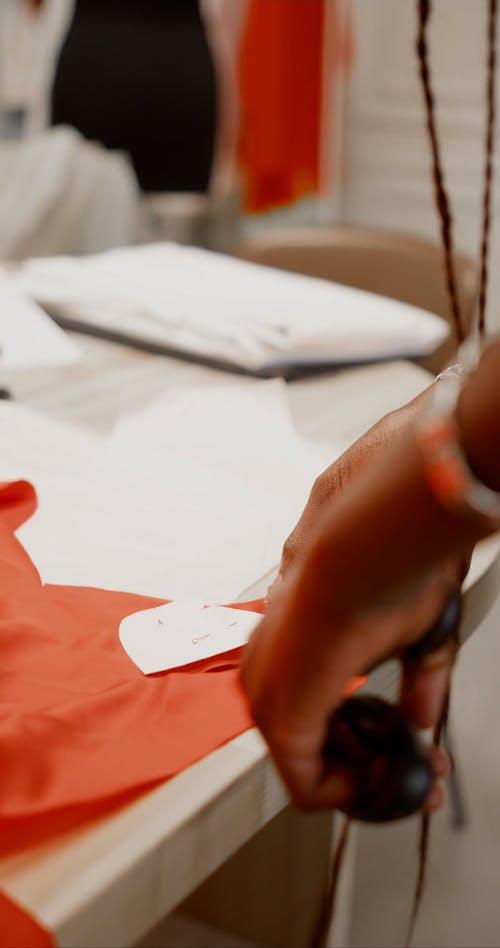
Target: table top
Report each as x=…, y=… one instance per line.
x=108, y=883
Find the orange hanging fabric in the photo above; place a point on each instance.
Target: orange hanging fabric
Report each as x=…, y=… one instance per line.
x=280, y=75
x=291, y=62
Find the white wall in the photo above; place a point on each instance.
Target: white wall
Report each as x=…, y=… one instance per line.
x=388, y=160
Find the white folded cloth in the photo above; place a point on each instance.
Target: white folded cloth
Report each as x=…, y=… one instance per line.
x=215, y=306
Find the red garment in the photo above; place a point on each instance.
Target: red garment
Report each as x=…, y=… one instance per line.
x=291, y=58
x=81, y=728
x=19, y=930
x=281, y=58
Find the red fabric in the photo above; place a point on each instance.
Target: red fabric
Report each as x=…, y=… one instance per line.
x=291, y=57
x=19, y=930
x=280, y=75
x=17, y=503
x=82, y=730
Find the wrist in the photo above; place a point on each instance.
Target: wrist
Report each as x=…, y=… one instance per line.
x=455, y=435
x=478, y=418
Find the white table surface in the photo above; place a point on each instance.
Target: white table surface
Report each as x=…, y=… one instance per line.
x=108, y=883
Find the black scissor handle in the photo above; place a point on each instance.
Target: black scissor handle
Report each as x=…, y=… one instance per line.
x=373, y=739
x=443, y=629
x=390, y=766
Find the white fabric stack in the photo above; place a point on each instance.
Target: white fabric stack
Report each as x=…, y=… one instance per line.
x=213, y=306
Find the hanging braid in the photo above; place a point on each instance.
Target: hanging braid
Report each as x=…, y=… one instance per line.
x=488, y=168
x=327, y=908
x=446, y=222
x=441, y=196
x=425, y=822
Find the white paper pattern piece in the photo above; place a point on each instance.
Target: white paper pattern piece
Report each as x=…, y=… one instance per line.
x=183, y=632
x=34, y=444
x=28, y=337
x=195, y=493
x=219, y=307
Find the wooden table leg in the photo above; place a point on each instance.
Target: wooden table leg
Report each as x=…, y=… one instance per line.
x=270, y=891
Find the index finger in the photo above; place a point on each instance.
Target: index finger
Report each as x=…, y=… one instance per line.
x=425, y=686
x=427, y=665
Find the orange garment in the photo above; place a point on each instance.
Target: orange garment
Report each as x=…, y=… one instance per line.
x=280, y=75
x=80, y=725
x=82, y=730
x=19, y=930
x=292, y=58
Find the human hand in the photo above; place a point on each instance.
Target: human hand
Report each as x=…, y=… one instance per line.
x=358, y=456
x=371, y=575
x=424, y=687
x=307, y=647
x=293, y=692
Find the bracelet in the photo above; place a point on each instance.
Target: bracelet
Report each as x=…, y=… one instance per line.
x=447, y=471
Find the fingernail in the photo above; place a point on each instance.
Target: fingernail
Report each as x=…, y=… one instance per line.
x=437, y=697
x=442, y=765
x=435, y=798
x=274, y=588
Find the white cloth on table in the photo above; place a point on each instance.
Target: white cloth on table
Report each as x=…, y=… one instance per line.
x=210, y=305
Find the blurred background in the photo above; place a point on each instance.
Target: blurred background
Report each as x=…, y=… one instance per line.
x=206, y=121
x=220, y=123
